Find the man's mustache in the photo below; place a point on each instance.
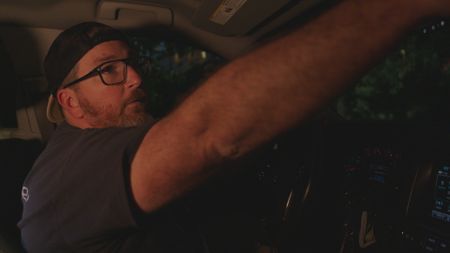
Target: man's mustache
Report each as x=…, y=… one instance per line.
x=138, y=95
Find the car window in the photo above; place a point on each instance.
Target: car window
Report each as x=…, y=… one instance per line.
x=171, y=69
x=412, y=83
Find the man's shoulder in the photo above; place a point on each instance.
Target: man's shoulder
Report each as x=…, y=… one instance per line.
x=67, y=135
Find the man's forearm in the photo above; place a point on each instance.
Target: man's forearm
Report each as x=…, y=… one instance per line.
x=280, y=84
x=266, y=92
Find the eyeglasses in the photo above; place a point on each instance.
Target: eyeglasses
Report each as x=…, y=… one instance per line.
x=112, y=72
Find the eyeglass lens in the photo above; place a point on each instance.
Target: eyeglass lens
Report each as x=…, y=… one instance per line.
x=113, y=72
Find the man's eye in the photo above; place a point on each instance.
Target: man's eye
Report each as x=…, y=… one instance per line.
x=110, y=68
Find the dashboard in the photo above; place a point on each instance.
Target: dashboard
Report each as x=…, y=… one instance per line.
x=335, y=187
x=393, y=187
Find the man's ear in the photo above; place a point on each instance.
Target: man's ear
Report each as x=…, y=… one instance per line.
x=68, y=100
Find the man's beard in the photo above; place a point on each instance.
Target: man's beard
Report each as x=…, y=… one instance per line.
x=116, y=116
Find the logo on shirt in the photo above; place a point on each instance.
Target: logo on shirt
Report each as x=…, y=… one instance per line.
x=25, y=194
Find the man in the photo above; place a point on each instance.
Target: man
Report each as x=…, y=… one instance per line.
x=107, y=170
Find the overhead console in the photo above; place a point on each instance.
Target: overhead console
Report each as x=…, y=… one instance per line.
x=237, y=17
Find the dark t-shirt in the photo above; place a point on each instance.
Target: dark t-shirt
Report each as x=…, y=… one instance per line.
x=77, y=198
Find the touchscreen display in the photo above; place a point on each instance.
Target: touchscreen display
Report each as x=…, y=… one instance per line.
x=441, y=207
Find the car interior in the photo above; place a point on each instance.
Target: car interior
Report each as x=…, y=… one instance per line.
x=350, y=179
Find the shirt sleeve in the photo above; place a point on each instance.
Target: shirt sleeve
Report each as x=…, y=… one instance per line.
x=96, y=203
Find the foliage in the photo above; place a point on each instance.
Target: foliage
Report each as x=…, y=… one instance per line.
x=411, y=83
x=170, y=70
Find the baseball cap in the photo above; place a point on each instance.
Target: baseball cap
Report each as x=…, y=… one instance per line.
x=64, y=53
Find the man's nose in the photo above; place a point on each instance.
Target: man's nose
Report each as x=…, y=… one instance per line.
x=134, y=79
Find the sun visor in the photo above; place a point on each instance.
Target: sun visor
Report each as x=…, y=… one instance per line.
x=132, y=14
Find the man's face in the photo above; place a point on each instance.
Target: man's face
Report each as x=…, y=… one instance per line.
x=120, y=105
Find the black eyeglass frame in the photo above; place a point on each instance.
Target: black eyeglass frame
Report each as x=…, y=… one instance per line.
x=98, y=71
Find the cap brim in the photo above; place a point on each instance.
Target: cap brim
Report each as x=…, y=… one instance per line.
x=54, y=112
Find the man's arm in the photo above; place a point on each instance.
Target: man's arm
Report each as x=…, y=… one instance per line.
x=266, y=92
